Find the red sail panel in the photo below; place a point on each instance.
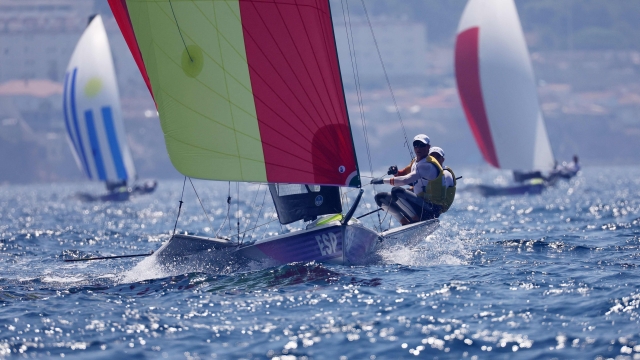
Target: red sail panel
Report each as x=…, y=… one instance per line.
x=467, y=67
x=295, y=79
x=121, y=14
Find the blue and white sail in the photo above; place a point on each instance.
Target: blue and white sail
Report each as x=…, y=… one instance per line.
x=92, y=112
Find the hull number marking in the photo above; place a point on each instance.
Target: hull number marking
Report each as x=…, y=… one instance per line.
x=328, y=243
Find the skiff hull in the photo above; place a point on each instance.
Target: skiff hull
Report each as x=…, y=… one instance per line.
x=336, y=244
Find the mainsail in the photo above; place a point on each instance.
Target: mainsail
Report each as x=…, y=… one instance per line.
x=497, y=87
x=246, y=90
x=92, y=112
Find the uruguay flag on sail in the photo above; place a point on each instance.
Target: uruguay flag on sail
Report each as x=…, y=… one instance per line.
x=92, y=113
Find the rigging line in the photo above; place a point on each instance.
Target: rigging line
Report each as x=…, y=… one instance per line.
x=258, y=226
x=228, y=208
x=180, y=207
x=261, y=207
x=252, y=203
x=356, y=75
x=264, y=233
x=386, y=76
x=344, y=197
x=185, y=44
x=356, y=78
x=203, y=210
x=238, y=208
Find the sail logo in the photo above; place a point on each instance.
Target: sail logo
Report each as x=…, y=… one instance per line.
x=341, y=169
x=328, y=243
x=319, y=200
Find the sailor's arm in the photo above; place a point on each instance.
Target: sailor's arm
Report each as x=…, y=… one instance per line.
x=402, y=180
x=405, y=171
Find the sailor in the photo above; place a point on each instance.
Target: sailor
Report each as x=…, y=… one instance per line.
x=414, y=205
x=448, y=180
x=566, y=171
x=573, y=167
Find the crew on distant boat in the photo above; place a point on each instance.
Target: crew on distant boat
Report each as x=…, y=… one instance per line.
x=566, y=171
x=573, y=167
x=424, y=174
x=147, y=187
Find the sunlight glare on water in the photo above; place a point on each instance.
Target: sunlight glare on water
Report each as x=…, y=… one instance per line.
x=548, y=276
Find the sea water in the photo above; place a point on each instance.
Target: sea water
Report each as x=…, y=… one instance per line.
x=546, y=276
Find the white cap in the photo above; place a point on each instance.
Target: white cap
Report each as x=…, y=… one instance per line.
x=422, y=138
x=436, y=150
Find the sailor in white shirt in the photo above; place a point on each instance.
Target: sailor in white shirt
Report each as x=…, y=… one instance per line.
x=404, y=204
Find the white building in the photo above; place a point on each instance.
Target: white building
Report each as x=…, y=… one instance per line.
x=38, y=36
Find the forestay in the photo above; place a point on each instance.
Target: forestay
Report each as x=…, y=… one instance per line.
x=92, y=112
x=497, y=87
x=246, y=90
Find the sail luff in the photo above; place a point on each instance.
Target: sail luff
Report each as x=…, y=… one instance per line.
x=121, y=14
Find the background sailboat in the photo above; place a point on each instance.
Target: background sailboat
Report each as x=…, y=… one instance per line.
x=497, y=89
x=251, y=91
x=93, y=116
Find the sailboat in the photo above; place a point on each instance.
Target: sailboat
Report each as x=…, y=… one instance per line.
x=251, y=91
x=497, y=89
x=93, y=117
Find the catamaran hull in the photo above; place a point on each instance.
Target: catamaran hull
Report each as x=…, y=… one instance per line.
x=348, y=245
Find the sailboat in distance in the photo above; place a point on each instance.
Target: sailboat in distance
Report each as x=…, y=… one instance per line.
x=497, y=89
x=250, y=91
x=93, y=117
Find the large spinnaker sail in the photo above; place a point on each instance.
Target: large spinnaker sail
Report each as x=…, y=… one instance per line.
x=497, y=87
x=246, y=90
x=92, y=112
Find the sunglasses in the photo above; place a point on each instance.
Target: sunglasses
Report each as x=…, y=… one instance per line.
x=419, y=144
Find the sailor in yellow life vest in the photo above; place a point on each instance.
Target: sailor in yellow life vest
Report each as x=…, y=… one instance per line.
x=416, y=205
x=448, y=190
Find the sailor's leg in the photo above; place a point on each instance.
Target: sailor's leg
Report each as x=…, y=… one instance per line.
x=422, y=210
x=401, y=206
x=383, y=198
x=385, y=201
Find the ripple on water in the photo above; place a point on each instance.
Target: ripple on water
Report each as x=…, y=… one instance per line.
x=533, y=277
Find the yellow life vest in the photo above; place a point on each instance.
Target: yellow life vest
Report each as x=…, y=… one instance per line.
x=435, y=192
x=450, y=192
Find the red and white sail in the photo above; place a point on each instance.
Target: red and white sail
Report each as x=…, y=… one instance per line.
x=497, y=87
